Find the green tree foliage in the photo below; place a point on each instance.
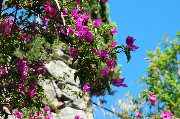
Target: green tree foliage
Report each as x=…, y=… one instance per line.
x=163, y=79
x=164, y=75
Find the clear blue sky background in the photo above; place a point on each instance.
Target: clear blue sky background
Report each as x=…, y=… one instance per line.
x=147, y=21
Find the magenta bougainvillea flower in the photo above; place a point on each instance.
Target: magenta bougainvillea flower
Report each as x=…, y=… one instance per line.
x=152, y=98
x=78, y=2
x=75, y=14
x=64, y=11
x=33, y=24
x=64, y=31
x=37, y=68
x=73, y=52
x=85, y=28
x=21, y=67
x=32, y=117
x=39, y=114
x=44, y=27
x=77, y=116
x=113, y=44
x=166, y=115
x=40, y=68
x=9, y=21
x=32, y=89
x=22, y=86
x=105, y=71
x=58, y=32
x=6, y=27
x=47, y=109
x=70, y=30
x=85, y=17
x=49, y=116
x=48, y=9
x=45, y=20
x=103, y=53
x=26, y=37
x=30, y=93
x=113, y=31
x=130, y=43
x=79, y=26
x=52, y=12
x=46, y=6
x=18, y=114
x=110, y=63
x=86, y=88
x=105, y=0
x=97, y=22
x=80, y=34
x=3, y=71
x=88, y=36
x=118, y=82
x=138, y=115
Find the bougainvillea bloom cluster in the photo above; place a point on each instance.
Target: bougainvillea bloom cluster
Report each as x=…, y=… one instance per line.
x=3, y=71
x=97, y=22
x=86, y=88
x=152, y=98
x=105, y=0
x=73, y=52
x=118, y=82
x=49, y=10
x=32, y=89
x=113, y=31
x=18, y=114
x=46, y=114
x=166, y=115
x=113, y=44
x=138, y=115
x=130, y=43
x=77, y=116
x=21, y=66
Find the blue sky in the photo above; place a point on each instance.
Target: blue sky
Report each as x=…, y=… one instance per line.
x=147, y=21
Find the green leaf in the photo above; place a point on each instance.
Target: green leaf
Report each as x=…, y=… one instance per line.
x=178, y=33
x=128, y=55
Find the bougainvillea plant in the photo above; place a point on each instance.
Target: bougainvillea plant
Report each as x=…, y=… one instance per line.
x=25, y=45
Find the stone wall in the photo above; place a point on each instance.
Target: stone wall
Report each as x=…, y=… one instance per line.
x=59, y=91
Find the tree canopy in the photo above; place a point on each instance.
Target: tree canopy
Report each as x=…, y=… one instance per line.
x=160, y=97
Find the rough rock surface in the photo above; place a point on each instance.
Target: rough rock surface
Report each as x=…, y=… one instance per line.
x=59, y=93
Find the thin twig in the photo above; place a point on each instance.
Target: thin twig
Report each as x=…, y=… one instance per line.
x=105, y=108
x=14, y=22
x=62, y=17
x=1, y=1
